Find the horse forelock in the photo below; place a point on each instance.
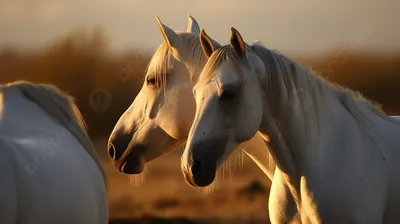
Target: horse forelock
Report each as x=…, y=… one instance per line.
x=224, y=54
x=161, y=60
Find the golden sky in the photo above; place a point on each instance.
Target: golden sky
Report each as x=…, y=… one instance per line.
x=302, y=26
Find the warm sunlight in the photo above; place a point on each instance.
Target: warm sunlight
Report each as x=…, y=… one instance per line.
x=156, y=138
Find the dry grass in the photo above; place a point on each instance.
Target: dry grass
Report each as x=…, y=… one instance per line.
x=164, y=193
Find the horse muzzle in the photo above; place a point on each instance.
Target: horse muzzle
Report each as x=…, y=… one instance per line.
x=199, y=174
x=132, y=160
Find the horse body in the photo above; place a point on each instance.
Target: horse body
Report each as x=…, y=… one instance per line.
x=47, y=176
x=350, y=181
x=336, y=153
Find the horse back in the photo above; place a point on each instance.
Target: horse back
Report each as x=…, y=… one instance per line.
x=56, y=179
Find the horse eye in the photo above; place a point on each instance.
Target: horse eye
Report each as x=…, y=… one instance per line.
x=227, y=95
x=151, y=81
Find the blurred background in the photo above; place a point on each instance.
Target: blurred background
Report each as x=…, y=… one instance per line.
x=97, y=51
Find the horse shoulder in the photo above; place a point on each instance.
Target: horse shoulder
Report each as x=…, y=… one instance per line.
x=8, y=190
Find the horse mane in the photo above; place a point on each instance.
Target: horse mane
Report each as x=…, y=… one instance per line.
x=63, y=109
x=287, y=76
x=160, y=61
x=221, y=55
x=353, y=101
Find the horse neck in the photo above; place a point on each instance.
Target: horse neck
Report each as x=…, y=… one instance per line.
x=292, y=116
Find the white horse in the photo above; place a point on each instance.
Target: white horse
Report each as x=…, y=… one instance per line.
x=162, y=113
x=49, y=170
x=337, y=155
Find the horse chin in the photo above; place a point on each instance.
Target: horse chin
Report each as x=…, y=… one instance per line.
x=130, y=168
x=202, y=180
x=133, y=167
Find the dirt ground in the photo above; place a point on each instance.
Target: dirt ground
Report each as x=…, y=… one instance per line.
x=162, y=195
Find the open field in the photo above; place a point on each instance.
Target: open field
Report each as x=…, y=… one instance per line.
x=105, y=83
x=164, y=194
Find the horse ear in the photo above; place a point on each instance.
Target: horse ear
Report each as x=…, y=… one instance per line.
x=209, y=45
x=237, y=42
x=169, y=36
x=193, y=26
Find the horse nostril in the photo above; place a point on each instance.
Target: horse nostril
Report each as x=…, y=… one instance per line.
x=111, y=151
x=196, y=167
